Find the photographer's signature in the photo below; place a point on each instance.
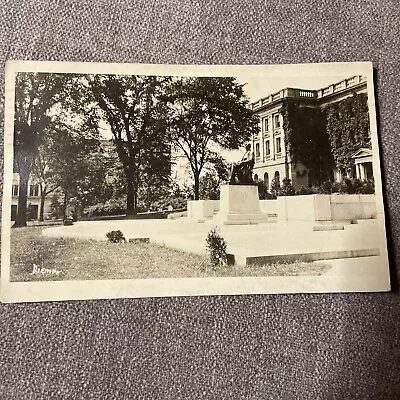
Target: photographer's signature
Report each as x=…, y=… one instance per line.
x=44, y=271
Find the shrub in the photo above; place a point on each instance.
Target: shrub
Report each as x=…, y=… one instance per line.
x=68, y=221
x=110, y=207
x=263, y=193
x=368, y=188
x=355, y=186
x=305, y=191
x=115, y=236
x=275, y=186
x=176, y=202
x=216, y=248
x=287, y=188
x=348, y=186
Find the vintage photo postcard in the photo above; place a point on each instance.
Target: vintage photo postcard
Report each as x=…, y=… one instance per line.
x=174, y=180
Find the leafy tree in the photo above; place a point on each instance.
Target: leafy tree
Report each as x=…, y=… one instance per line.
x=132, y=108
x=44, y=176
x=209, y=187
x=207, y=112
x=76, y=165
x=347, y=124
x=217, y=172
x=35, y=95
x=71, y=159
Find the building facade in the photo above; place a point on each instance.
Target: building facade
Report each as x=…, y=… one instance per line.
x=33, y=203
x=271, y=158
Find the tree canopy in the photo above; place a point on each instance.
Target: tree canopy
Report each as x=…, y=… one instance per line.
x=206, y=112
x=35, y=95
x=136, y=117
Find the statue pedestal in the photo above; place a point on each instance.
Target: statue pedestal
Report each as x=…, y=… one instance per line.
x=239, y=205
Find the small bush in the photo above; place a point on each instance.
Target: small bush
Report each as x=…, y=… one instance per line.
x=115, y=236
x=305, y=191
x=216, y=248
x=263, y=193
x=287, y=188
x=68, y=221
x=275, y=186
x=110, y=207
x=368, y=188
x=348, y=186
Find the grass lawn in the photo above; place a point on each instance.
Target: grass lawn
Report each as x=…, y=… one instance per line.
x=82, y=260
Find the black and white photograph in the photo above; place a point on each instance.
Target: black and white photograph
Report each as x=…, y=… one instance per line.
x=129, y=180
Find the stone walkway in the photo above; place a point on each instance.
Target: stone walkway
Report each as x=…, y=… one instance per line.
x=263, y=241
x=244, y=241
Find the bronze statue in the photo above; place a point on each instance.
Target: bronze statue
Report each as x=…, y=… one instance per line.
x=242, y=171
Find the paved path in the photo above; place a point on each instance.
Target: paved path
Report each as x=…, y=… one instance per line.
x=350, y=274
x=243, y=240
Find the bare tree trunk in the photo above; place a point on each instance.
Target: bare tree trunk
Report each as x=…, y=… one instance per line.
x=20, y=220
x=196, y=186
x=65, y=204
x=131, y=201
x=24, y=173
x=42, y=202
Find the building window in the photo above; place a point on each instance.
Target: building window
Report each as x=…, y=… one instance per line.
x=266, y=180
x=277, y=177
x=255, y=178
x=267, y=148
x=15, y=190
x=277, y=121
x=33, y=190
x=266, y=124
x=257, y=150
x=278, y=145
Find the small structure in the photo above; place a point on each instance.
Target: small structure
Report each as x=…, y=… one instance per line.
x=363, y=164
x=240, y=205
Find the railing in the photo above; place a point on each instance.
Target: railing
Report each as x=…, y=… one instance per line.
x=276, y=96
x=289, y=92
x=338, y=86
x=326, y=91
x=306, y=93
x=351, y=81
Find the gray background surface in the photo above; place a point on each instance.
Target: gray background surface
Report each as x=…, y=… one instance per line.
x=341, y=346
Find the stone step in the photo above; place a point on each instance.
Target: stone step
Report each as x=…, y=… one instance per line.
x=365, y=221
x=312, y=256
x=328, y=227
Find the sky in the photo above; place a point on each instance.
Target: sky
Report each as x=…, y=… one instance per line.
x=257, y=88
x=261, y=81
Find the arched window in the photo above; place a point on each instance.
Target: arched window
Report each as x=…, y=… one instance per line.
x=277, y=176
x=255, y=178
x=266, y=180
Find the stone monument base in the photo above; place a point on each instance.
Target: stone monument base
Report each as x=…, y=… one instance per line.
x=239, y=205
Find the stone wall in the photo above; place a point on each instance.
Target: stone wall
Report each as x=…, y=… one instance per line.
x=269, y=206
x=317, y=207
x=322, y=207
x=344, y=207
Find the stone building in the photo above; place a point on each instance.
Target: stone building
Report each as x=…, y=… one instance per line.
x=271, y=159
x=33, y=201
